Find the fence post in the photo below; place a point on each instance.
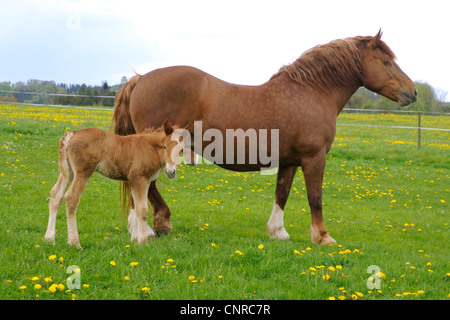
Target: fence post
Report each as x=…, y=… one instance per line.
x=419, y=138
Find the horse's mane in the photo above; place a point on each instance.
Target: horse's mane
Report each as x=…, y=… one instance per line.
x=337, y=63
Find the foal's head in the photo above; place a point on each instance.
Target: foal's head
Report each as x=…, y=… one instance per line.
x=382, y=75
x=174, y=143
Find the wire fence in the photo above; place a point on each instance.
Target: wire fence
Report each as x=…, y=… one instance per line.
x=436, y=124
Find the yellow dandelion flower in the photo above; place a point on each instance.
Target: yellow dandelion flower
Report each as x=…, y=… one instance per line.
x=145, y=289
x=22, y=287
x=85, y=286
x=52, y=257
x=53, y=288
x=133, y=264
x=326, y=277
x=37, y=286
x=191, y=278
x=126, y=278
x=339, y=267
x=261, y=247
x=331, y=268
x=35, y=278
x=48, y=279
x=331, y=298
x=169, y=260
x=113, y=263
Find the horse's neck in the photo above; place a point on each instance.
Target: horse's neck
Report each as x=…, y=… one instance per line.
x=340, y=96
x=156, y=140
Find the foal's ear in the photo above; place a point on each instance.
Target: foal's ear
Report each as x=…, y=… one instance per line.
x=375, y=42
x=189, y=127
x=168, y=129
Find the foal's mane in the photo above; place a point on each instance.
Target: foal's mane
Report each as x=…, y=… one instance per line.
x=338, y=63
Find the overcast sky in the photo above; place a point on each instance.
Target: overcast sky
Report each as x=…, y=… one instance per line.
x=90, y=41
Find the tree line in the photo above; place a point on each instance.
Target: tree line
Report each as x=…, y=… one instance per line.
x=49, y=92
x=37, y=92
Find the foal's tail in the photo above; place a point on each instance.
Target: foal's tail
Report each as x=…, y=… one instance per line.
x=63, y=162
x=124, y=126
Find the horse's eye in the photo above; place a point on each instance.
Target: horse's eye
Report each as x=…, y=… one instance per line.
x=165, y=147
x=387, y=63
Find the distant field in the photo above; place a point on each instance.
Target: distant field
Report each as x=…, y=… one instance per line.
x=385, y=202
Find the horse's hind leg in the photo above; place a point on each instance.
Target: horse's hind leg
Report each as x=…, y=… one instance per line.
x=275, y=226
x=161, y=212
x=72, y=198
x=56, y=196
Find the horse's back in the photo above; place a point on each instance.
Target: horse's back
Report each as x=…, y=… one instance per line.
x=180, y=94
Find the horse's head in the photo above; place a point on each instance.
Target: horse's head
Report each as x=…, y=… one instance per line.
x=174, y=143
x=382, y=75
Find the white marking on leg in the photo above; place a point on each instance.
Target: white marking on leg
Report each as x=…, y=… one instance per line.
x=275, y=226
x=56, y=197
x=132, y=225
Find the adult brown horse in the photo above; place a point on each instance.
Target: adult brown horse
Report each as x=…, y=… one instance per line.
x=302, y=100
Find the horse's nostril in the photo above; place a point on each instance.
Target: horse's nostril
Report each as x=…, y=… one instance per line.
x=415, y=92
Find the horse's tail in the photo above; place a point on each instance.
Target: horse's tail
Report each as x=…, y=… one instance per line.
x=121, y=117
x=63, y=162
x=123, y=126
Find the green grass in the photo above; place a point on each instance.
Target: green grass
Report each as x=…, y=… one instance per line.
x=385, y=202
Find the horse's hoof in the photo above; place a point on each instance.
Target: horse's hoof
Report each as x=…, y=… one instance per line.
x=161, y=231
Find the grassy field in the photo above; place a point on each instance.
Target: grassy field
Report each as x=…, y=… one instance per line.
x=385, y=202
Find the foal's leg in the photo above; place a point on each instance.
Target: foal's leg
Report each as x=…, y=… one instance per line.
x=313, y=170
x=139, y=190
x=72, y=199
x=161, y=212
x=56, y=196
x=275, y=226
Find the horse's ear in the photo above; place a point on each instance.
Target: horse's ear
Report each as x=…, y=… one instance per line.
x=375, y=42
x=189, y=127
x=168, y=129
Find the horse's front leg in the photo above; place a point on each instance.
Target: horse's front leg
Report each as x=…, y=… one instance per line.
x=275, y=226
x=161, y=212
x=313, y=170
x=139, y=192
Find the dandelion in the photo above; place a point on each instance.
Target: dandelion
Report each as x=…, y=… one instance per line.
x=169, y=260
x=85, y=286
x=52, y=257
x=331, y=298
x=260, y=247
x=48, y=279
x=53, y=288
x=113, y=263
x=145, y=289
x=341, y=297
x=326, y=277
x=331, y=268
x=214, y=245
x=22, y=287
x=134, y=264
x=37, y=286
x=35, y=278
x=126, y=278
x=191, y=278
x=339, y=267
